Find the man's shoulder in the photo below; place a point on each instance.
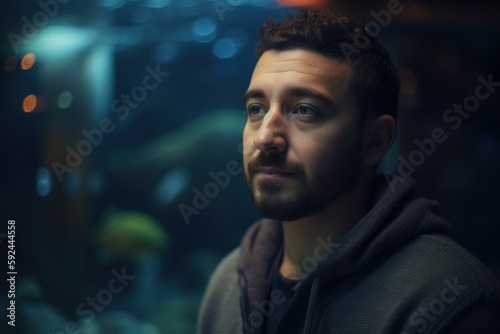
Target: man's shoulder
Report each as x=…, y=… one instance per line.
x=219, y=312
x=433, y=270
x=421, y=284
x=224, y=275
x=228, y=263
x=436, y=255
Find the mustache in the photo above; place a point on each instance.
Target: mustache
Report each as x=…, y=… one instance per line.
x=275, y=161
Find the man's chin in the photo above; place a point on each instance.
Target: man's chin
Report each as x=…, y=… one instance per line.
x=282, y=215
x=281, y=208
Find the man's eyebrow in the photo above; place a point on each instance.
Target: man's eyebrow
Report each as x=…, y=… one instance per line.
x=293, y=92
x=306, y=92
x=254, y=93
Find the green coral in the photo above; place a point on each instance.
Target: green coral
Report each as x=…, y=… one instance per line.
x=130, y=234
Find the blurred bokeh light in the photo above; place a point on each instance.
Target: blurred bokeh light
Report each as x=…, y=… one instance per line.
x=29, y=103
x=28, y=61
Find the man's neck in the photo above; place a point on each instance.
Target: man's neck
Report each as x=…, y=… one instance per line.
x=305, y=239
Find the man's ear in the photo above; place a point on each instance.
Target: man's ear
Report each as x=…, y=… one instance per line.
x=378, y=136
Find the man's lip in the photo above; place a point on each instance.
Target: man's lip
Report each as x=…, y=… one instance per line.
x=271, y=170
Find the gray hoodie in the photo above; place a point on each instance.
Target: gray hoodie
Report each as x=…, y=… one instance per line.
x=395, y=271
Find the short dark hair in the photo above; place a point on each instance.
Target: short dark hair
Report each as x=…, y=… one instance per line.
x=374, y=80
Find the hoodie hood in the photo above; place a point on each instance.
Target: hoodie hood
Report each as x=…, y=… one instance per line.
x=395, y=216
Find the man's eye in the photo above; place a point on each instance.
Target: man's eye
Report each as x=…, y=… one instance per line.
x=306, y=111
x=255, y=110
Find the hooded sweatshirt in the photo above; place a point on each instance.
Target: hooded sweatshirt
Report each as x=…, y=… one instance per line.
x=395, y=271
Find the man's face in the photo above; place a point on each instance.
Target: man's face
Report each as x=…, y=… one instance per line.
x=302, y=138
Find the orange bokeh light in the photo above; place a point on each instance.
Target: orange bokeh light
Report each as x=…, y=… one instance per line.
x=28, y=61
x=29, y=103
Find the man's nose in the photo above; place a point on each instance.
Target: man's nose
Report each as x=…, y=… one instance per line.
x=271, y=134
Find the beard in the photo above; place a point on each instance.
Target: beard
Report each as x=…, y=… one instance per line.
x=299, y=196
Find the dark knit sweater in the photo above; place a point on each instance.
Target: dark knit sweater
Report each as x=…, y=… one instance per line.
x=395, y=271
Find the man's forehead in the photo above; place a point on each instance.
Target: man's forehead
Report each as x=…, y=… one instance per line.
x=307, y=66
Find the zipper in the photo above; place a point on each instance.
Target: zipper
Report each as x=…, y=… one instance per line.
x=242, y=312
x=310, y=305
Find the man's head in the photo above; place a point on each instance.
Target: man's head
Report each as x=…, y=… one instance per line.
x=316, y=122
x=374, y=79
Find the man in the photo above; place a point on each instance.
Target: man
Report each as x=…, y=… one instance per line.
x=340, y=250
